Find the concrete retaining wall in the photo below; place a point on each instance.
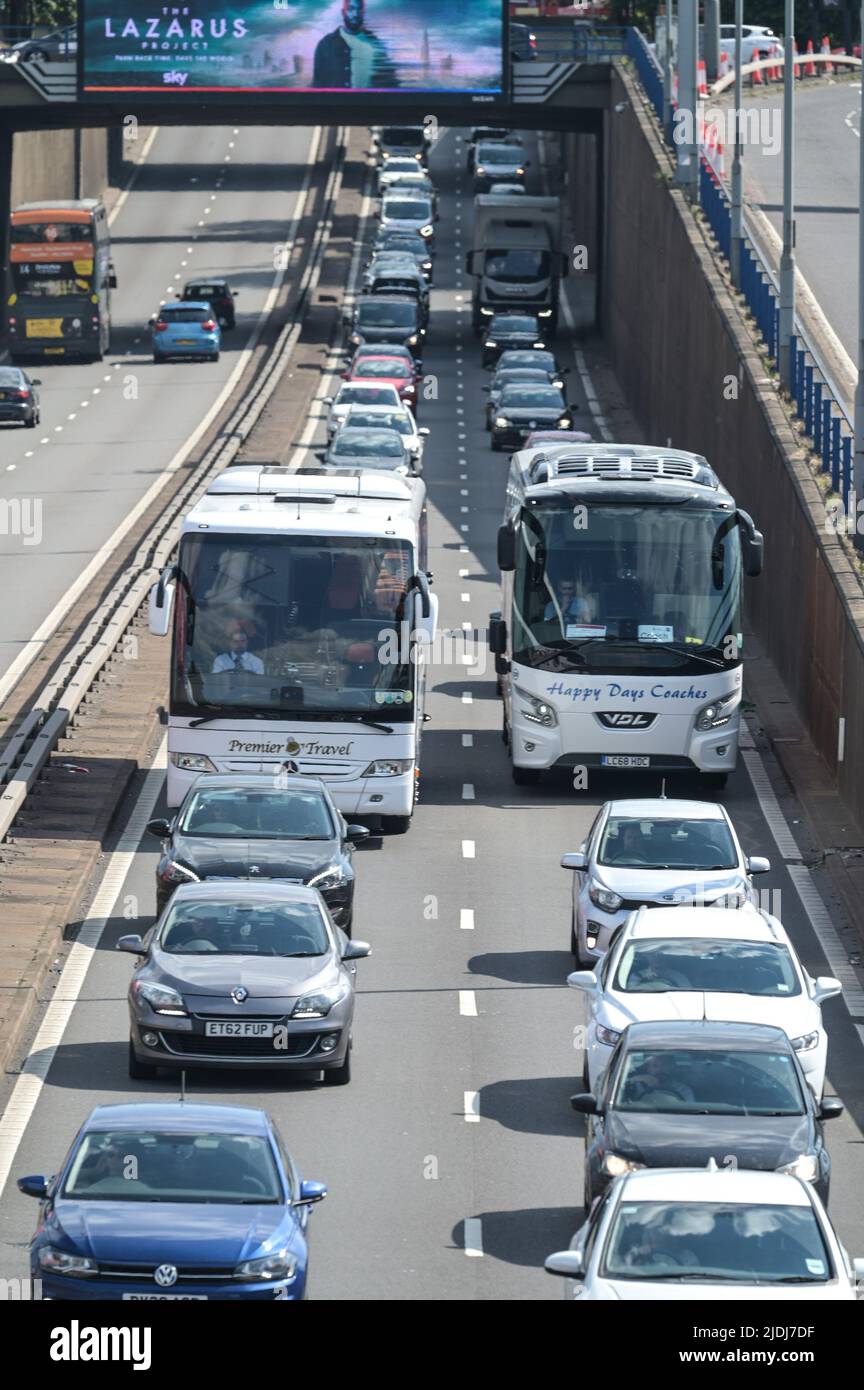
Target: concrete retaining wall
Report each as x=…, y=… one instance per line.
x=43, y=165
x=689, y=369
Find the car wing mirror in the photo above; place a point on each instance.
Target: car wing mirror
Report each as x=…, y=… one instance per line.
x=568, y=1264
x=585, y=980
x=35, y=1185
x=757, y=865
x=357, y=833
x=574, y=860
x=310, y=1192
x=133, y=945
x=356, y=950
x=160, y=827
x=825, y=987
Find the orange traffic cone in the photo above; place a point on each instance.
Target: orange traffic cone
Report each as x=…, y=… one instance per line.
x=756, y=77
x=701, y=79
x=826, y=48
x=796, y=66
x=809, y=65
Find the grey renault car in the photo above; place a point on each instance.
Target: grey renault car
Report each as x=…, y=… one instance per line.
x=243, y=975
x=252, y=826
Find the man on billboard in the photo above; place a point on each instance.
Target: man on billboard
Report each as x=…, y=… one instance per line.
x=352, y=55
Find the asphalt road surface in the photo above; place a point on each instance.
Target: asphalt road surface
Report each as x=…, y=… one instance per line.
x=465, y=1052
x=206, y=202
x=827, y=119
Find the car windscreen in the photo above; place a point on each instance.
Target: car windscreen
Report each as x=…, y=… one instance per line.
x=526, y=357
x=402, y=166
x=531, y=398
x=408, y=209
x=513, y=375
x=707, y=1241
x=387, y=315
x=394, y=367
x=398, y=422
x=500, y=154
x=512, y=323
x=702, y=1081
x=244, y=928
x=184, y=315
x=630, y=843
x=367, y=444
x=368, y=395
x=155, y=1166
x=705, y=965
x=255, y=813
x=403, y=135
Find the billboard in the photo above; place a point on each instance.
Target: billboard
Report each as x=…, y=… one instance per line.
x=387, y=49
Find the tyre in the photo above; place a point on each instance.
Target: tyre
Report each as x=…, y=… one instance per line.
x=214, y=357
x=339, y=1076
x=395, y=825
x=139, y=1071
x=32, y=422
x=158, y=357
x=574, y=938
x=525, y=776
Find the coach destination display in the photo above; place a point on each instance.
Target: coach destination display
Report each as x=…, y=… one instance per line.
x=393, y=48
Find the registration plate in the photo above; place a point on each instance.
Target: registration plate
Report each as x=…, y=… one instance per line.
x=44, y=328
x=247, y=1029
x=56, y=351
x=186, y=342
x=622, y=760
x=164, y=1298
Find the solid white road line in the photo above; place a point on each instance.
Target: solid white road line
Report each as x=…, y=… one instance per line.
x=467, y=1003
x=33, y=647
x=28, y=1087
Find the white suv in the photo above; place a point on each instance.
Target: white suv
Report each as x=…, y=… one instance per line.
x=757, y=42
x=720, y=964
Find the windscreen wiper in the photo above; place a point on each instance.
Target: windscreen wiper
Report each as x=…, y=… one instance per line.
x=373, y=723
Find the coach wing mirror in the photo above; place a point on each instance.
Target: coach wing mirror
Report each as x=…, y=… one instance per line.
x=753, y=544
x=757, y=865
x=427, y=622
x=574, y=860
x=160, y=602
x=506, y=548
x=497, y=634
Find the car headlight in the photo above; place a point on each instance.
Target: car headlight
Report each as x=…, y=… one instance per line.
x=565, y=422
x=544, y=313
x=805, y=1166
x=388, y=767
x=63, y=1262
x=537, y=711
x=280, y=1265
x=519, y=172
x=607, y=1036
x=490, y=342
x=161, y=998
x=427, y=265
x=487, y=313
x=356, y=339
x=193, y=762
x=319, y=1004
x=615, y=1165
x=501, y=422
x=807, y=1041
x=480, y=170
x=412, y=341
x=427, y=230
x=604, y=897
x=539, y=345
x=713, y=716
x=328, y=878
x=178, y=873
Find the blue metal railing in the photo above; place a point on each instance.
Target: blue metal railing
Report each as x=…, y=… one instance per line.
x=817, y=404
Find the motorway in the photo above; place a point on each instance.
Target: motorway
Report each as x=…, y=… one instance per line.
x=827, y=118
x=205, y=202
x=454, y=1161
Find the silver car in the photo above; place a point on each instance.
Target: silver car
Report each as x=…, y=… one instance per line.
x=655, y=852
x=358, y=393
x=402, y=422
x=368, y=448
x=406, y=211
x=242, y=974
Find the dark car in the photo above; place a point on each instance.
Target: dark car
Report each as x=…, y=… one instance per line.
x=394, y=141
x=382, y=318
x=217, y=293
x=19, y=401
x=511, y=331
x=510, y=376
x=523, y=44
x=409, y=243
x=530, y=357
x=526, y=407
x=678, y=1094
x=243, y=975
x=251, y=827
x=172, y=1202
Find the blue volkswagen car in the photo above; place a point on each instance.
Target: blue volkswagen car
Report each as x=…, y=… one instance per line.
x=170, y=1201
x=186, y=329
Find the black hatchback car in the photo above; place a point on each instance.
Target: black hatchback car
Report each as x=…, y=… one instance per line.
x=527, y=406
x=506, y=331
x=19, y=401
x=254, y=827
x=677, y=1094
x=217, y=293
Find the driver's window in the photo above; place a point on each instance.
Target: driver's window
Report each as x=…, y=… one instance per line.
x=596, y=1220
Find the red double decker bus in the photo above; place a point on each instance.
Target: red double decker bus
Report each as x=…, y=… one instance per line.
x=58, y=301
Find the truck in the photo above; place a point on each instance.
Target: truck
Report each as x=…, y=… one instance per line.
x=516, y=258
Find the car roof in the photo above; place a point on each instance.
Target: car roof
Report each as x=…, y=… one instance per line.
x=255, y=781
x=720, y=923
x=207, y=280
x=661, y=808
x=184, y=304
x=372, y=432
x=179, y=1115
x=704, y=1033
x=242, y=891
x=747, y=1186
